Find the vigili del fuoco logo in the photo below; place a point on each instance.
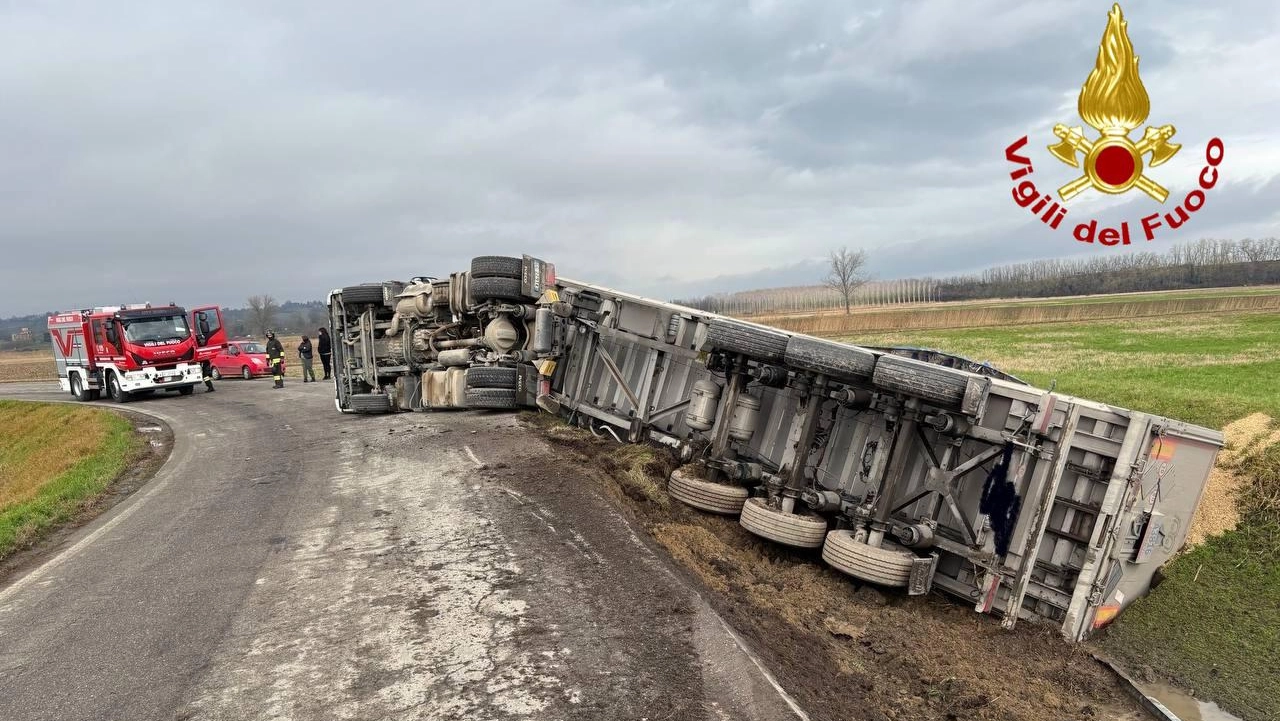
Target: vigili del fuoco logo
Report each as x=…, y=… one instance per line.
x=1114, y=102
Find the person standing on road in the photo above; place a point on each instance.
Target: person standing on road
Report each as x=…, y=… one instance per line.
x=305, y=355
x=202, y=338
x=325, y=350
x=275, y=358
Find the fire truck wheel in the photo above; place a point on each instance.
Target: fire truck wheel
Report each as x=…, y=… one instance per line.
x=800, y=530
x=370, y=403
x=217, y=374
x=78, y=390
x=245, y=373
x=706, y=495
x=483, y=289
x=186, y=390
x=496, y=266
x=114, y=390
x=888, y=565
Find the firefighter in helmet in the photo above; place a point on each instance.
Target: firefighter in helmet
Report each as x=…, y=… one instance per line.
x=275, y=358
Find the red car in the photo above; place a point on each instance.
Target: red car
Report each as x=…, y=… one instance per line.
x=244, y=358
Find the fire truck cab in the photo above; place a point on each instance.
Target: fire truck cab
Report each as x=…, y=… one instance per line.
x=131, y=350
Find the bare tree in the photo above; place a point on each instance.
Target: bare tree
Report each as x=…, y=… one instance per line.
x=262, y=311
x=845, y=274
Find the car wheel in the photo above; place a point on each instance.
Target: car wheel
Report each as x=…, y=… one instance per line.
x=245, y=373
x=216, y=374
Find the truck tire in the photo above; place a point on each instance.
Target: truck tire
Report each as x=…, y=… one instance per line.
x=789, y=529
x=363, y=293
x=834, y=360
x=761, y=343
x=491, y=377
x=371, y=403
x=706, y=495
x=114, y=390
x=78, y=391
x=942, y=386
x=186, y=390
x=483, y=289
x=499, y=398
x=888, y=565
x=496, y=266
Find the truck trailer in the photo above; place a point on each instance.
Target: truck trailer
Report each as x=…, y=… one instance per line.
x=130, y=350
x=904, y=467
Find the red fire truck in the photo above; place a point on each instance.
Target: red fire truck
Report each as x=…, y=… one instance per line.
x=134, y=350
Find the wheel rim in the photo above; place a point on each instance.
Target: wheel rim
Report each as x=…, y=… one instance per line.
x=217, y=375
x=114, y=388
x=75, y=386
x=246, y=373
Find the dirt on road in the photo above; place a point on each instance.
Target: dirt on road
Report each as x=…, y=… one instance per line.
x=844, y=650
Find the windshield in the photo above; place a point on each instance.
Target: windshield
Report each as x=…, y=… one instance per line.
x=252, y=348
x=157, y=331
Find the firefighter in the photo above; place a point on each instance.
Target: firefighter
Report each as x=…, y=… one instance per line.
x=275, y=358
x=202, y=337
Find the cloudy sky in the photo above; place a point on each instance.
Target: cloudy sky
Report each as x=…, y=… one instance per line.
x=204, y=152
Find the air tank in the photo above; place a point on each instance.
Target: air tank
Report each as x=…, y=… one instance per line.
x=544, y=327
x=456, y=357
x=702, y=405
x=746, y=414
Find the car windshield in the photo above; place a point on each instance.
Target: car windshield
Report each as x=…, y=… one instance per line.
x=252, y=348
x=168, y=329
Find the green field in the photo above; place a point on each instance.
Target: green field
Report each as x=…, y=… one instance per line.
x=1213, y=625
x=55, y=459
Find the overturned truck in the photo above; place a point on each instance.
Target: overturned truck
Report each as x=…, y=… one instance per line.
x=908, y=468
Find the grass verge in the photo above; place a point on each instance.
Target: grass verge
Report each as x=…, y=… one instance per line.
x=55, y=459
x=1213, y=625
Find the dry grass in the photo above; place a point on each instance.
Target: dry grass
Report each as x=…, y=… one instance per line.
x=54, y=460
x=975, y=315
x=1219, y=509
x=27, y=366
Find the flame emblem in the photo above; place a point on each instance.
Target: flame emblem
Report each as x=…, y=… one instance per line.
x=1114, y=102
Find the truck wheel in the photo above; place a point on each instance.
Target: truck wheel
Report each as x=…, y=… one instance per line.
x=501, y=398
x=496, y=266
x=706, y=495
x=114, y=390
x=363, y=293
x=835, y=360
x=491, y=377
x=78, y=390
x=757, y=342
x=888, y=565
x=942, y=386
x=789, y=529
x=245, y=373
x=370, y=403
x=215, y=374
x=483, y=289
x=186, y=390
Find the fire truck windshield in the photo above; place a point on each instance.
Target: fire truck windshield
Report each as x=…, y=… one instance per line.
x=170, y=329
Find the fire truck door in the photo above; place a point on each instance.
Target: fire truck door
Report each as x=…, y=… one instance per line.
x=211, y=336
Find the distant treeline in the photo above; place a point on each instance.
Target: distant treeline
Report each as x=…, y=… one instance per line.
x=1206, y=263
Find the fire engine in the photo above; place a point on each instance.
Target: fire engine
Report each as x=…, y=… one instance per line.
x=131, y=350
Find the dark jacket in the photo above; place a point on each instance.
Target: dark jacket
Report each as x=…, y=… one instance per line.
x=304, y=349
x=322, y=344
x=275, y=351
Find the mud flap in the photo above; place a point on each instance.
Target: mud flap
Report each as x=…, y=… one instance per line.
x=920, y=581
x=526, y=385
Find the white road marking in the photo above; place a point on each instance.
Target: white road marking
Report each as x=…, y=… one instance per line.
x=472, y=455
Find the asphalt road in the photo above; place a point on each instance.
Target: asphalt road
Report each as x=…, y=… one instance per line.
x=290, y=562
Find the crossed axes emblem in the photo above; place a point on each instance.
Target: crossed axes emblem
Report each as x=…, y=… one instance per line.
x=1115, y=147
